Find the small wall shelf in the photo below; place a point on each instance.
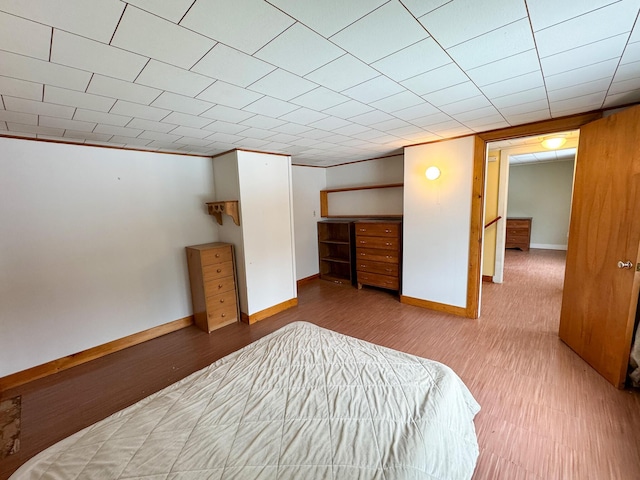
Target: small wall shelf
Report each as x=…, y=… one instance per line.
x=218, y=208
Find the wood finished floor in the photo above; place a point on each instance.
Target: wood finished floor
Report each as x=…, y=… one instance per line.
x=545, y=413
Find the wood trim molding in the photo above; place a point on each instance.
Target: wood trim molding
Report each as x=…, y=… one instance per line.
x=306, y=280
x=268, y=312
x=64, y=363
x=487, y=278
x=438, y=307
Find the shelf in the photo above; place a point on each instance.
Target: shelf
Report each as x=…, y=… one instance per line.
x=335, y=259
x=335, y=242
x=229, y=207
x=324, y=199
x=336, y=279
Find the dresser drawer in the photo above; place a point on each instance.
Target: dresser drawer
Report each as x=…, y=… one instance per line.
x=216, y=255
x=221, y=301
x=381, y=268
x=219, y=285
x=219, y=270
x=524, y=232
x=376, y=255
x=378, y=229
x=518, y=223
x=376, y=280
x=385, y=243
x=222, y=315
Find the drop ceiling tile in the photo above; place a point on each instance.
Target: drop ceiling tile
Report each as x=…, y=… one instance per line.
x=283, y=138
x=452, y=94
x=120, y=131
x=342, y=73
x=299, y=50
x=433, y=119
x=37, y=108
x=23, y=135
x=436, y=79
x=514, y=85
x=416, y=111
x=99, y=137
x=513, y=66
x=423, y=137
x=330, y=123
x=578, y=104
x=173, y=79
x=504, y=42
x=598, y=86
x=337, y=139
x=138, y=32
x=130, y=141
x=610, y=48
x=394, y=28
x=253, y=143
x=525, y=108
x=276, y=147
x=150, y=125
x=369, y=135
x=591, y=27
x=292, y=128
x=306, y=142
x=303, y=116
x=494, y=123
x=114, y=88
x=624, y=86
x=163, y=144
x=531, y=95
x=451, y=130
x=398, y=101
x=20, y=88
x=385, y=139
x=243, y=24
x=488, y=111
x=195, y=142
x=227, y=114
x=232, y=66
x=190, y=132
x=39, y=71
x=180, y=103
x=224, y=137
x=421, y=7
x=63, y=96
x=466, y=105
x=625, y=98
x=374, y=89
x=369, y=118
x=348, y=109
x=3, y=125
x=173, y=10
x=24, y=37
x=461, y=20
x=257, y=133
x=229, y=95
x=225, y=127
x=66, y=124
x=316, y=134
x=186, y=120
x=35, y=129
x=17, y=117
x=546, y=13
x=130, y=109
x=351, y=129
x=631, y=53
x=96, y=19
x=320, y=98
x=160, y=137
x=101, y=117
x=414, y=60
x=576, y=76
x=271, y=107
x=260, y=121
x=282, y=84
x=78, y=52
x=390, y=124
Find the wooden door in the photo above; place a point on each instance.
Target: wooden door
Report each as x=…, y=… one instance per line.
x=600, y=299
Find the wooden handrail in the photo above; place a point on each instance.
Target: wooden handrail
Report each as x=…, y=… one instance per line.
x=493, y=221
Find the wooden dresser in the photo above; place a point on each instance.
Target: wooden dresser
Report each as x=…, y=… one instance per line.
x=518, y=233
x=214, y=294
x=378, y=253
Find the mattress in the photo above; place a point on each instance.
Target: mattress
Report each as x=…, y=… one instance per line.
x=300, y=403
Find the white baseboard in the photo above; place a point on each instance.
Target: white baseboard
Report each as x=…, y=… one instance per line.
x=548, y=246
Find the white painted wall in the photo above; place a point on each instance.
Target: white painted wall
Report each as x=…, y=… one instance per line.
x=436, y=221
x=370, y=172
x=543, y=191
x=307, y=183
x=92, y=245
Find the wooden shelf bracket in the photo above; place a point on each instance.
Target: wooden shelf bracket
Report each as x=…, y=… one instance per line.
x=229, y=207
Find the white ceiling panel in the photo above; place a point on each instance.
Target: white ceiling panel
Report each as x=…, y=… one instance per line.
x=299, y=50
x=283, y=138
x=292, y=129
x=485, y=112
x=375, y=116
x=35, y=129
x=17, y=117
x=283, y=85
x=253, y=143
x=190, y=132
x=351, y=129
x=180, y=103
x=329, y=16
x=94, y=137
x=453, y=94
x=58, y=122
x=524, y=108
x=394, y=28
x=138, y=32
x=514, y=85
x=37, y=108
x=78, y=52
x=24, y=37
x=625, y=98
x=408, y=131
x=498, y=44
x=472, y=19
x=598, y=86
x=320, y=99
x=173, y=79
x=185, y=119
x=466, y=105
x=531, y=95
x=303, y=116
x=330, y=123
x=578, y=104
x=232, y=66
x=151, y=125
x=173, y=10
x=576, y=76
x=605, y=22
x=610, y=48
x=625, y=86
x=421, y=7
x=246, y=25
x=631, y=53
x=20, y=88
x=348, y=109
x=261, y=121
x=141, y=111
x=271, y=107
x=624, y=72
x=413, y=60
x=160, y=137
x=257, y=133
x=528, y=117
x=416, y=111
x=96, y=19
x=512, y=66
x=39, y=71
x=228, y=114
x=114, y=88
x=342, y=73
x=398, y=101
x=225, y=127
x=229, y=95
x=224, y=137
x=374, y=89
x=546, y=13
x=433, y=119
x=392, y=124
x=486, y=124
x=101, y=117
x=129, y=141
x=63, y=96
x=436, y=79
x=114, y=130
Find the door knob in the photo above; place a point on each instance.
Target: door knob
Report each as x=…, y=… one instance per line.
x=627, y=264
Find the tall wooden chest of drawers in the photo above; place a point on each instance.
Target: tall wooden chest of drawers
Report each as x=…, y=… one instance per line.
x=518, y=233
x=213, y=285
x=378, y=253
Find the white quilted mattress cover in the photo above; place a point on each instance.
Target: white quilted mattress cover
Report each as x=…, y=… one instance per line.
x=300, y=403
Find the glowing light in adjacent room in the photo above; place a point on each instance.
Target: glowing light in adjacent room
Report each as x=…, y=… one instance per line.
x=553, y=142
x=432, y=173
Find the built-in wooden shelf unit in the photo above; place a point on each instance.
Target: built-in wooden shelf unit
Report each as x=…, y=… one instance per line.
x=324, y=200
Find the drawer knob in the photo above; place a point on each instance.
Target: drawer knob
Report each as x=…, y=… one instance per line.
x=222, y=300
x=388, y=256
x=388, y=243
x=219, y=270
x=363, y=241
x=219, y=285
x=363, y=229
x=217, y=255
x=387, y=231
x=388, y=269
x=363, y=254
x=223, y=315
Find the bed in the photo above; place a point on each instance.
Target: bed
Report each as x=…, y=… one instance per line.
x=301, y=403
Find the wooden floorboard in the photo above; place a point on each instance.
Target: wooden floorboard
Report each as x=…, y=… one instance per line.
x=545, y=413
